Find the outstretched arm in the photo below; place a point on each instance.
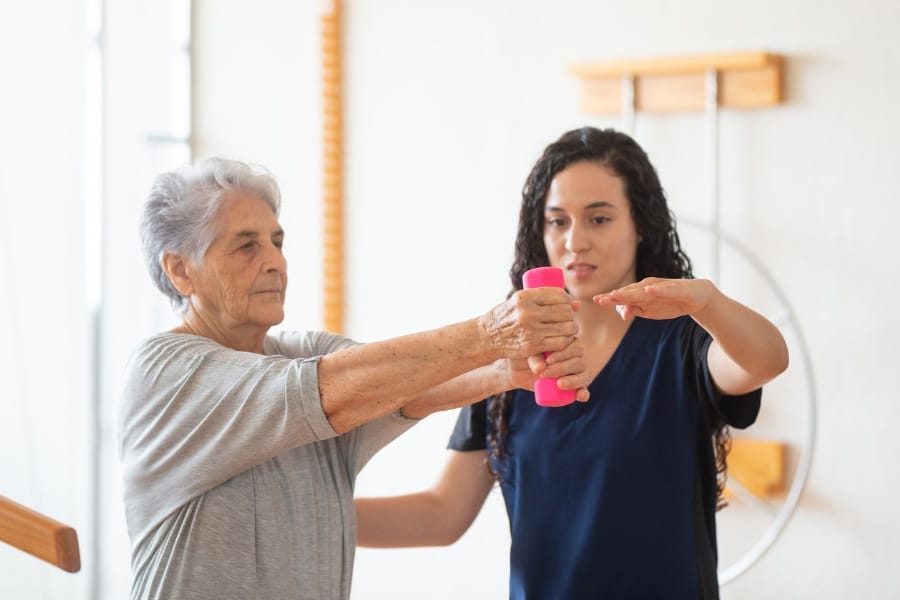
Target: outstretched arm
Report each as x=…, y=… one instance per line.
x=747, y=349
x=363, y=383
x=434, y=517
x=502, y=375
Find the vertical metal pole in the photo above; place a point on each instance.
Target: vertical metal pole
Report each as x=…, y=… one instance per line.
x=192, y=79
x=628, y=104
x=712, y=166
x=332, y=168
x=96, y=193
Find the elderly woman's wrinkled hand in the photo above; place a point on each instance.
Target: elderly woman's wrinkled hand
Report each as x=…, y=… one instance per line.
x=531, y=322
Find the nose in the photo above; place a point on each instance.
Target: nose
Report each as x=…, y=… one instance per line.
x=274, y=260
x=576, y=239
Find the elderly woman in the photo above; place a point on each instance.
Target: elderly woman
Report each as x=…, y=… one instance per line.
x=240, y=449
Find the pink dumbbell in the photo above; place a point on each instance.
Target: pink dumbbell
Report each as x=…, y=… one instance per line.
x=546, y=392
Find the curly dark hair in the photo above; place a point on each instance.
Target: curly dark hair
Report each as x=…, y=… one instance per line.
x=659, y=254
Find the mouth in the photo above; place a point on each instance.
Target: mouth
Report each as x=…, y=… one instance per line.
x=580, y=269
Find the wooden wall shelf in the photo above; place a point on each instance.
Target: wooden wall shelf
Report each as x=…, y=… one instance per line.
x=678, y=84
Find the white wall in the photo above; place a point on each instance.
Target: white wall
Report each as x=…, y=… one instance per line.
x=448, y=104
x=44, y=342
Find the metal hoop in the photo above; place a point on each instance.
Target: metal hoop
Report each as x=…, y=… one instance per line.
x=801, y=476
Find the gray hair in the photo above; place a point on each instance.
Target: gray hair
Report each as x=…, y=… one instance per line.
x=179, y=212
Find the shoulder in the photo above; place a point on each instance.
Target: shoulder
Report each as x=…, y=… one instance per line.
x=165, y=347
x=175, y=349
x=305, y=344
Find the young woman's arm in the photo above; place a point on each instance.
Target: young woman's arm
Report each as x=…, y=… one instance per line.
x=747, y=350
x=434, y=517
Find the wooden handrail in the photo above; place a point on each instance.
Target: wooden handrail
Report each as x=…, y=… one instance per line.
x=39, y=535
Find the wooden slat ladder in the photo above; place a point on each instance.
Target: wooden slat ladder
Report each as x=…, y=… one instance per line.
x=39, y=535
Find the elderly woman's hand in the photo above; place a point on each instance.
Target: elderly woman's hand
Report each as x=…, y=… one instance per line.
x=531, y=322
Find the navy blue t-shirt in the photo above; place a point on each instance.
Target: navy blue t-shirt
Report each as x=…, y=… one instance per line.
x=615, y=498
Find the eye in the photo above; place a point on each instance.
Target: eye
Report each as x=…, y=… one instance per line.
x=556, y=221
x=248, y=246
x=278, y=244
x=599, y=220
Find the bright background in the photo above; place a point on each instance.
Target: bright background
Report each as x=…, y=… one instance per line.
x=447, y=107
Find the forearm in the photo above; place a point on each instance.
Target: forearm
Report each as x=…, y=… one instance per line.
x=402, y=521
x=360, y=384
x=743, y=339
x=467, y=388
x=366, y=382
x=434, y=517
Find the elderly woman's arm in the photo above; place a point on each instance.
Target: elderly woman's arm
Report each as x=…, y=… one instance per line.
x=360, y=384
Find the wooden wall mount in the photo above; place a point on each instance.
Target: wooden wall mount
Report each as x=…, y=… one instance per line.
x=677, y=84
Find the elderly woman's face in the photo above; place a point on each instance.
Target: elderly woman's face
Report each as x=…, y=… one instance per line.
x=242, y=279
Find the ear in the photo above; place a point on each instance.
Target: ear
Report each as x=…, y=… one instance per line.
x=176, y=268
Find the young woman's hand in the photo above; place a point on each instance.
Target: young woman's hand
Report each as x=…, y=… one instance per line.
x=656, y=298
x=567, y=366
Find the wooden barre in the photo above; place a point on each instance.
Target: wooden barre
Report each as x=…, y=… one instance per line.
x=39, y=535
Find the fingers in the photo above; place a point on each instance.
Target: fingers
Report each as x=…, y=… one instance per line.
x=529, y=323
x=626, y=295
x=537, y=364
x=657, y=298
x=545, y=296
x=565, y=368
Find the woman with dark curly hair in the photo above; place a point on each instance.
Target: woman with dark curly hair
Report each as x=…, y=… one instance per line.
x=616, y=497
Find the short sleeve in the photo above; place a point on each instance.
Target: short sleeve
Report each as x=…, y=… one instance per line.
x=362, y=442
x=737, y=411
x=470, y=432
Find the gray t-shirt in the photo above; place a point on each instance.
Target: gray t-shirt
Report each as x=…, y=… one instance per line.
x=235, y=483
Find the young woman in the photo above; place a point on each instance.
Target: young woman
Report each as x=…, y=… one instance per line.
x=616, y=497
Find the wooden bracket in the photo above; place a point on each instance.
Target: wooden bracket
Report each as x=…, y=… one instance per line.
x=745, y=80
x=758, y=465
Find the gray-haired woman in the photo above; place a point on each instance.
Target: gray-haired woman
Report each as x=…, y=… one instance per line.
x=240, y=449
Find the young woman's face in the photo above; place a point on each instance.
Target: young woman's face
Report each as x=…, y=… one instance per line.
x=588, y=229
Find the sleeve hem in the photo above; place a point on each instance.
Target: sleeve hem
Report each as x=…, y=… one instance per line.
x=311, y=401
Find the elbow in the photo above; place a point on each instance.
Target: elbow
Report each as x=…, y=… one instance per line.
x=774, y=362
x=448, y=536
x=781, y=359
